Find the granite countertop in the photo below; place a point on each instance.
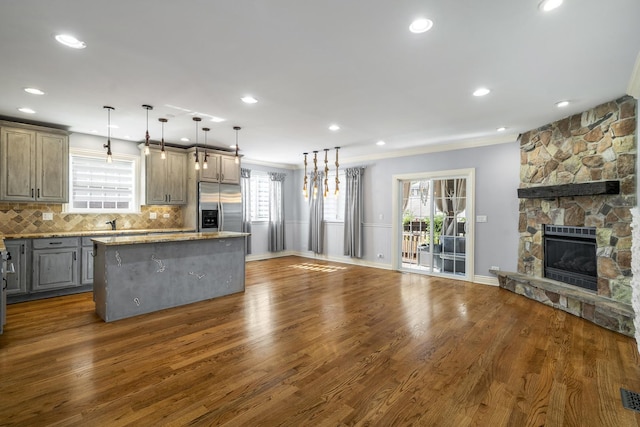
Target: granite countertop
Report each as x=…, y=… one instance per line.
x=88, y=233
x=167, y=237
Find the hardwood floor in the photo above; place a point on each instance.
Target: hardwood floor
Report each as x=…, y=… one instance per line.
x=317, y=343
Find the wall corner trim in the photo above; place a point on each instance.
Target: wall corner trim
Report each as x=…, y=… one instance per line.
x=634, y=82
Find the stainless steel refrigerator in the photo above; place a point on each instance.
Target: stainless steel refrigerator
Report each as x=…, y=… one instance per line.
x=219, y=207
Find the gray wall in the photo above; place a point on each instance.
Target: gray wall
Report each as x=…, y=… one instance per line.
x=497, y=169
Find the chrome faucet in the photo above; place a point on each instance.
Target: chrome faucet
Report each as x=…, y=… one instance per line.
x=112, y=223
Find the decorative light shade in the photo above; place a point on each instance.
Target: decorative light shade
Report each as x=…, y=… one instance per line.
x=197, y=159
x=205, y=163
x=237, y=159
x=326, y=173
x=315, y=174
x=163, y=153
x=305, y=193
x=146, y=136
x=337, y=192
x=108, y=144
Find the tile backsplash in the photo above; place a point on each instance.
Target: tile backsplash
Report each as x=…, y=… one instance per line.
x=16, y=218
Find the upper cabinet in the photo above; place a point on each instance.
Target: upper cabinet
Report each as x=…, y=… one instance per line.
x=166, y=179
x=220, y=168
x=35, y=164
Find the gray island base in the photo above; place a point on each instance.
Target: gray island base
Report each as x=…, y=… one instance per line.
x=143, y=274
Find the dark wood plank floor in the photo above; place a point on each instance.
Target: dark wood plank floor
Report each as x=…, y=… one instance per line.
x=317, y=343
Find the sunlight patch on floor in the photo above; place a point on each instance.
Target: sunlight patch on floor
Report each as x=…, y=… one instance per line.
x=318, y=267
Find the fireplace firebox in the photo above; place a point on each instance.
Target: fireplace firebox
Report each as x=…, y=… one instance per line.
x=570, y=255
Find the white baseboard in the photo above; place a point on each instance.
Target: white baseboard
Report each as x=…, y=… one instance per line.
x=486, y=280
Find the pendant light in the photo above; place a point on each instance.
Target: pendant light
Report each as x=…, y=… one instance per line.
x=108, y=144
x=197, y=160
x=305, y=193
x=337, y=179
x=315, y=174
x=205, y=164
x=326, y=172
x=146, y=136
x=163, y=154
x=237, y=159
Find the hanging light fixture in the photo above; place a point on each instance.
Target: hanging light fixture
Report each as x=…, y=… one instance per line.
x=337, y=179
x=315, y=174
x=197, y=159
x=146, y=136
x=205, y=164
x=163, y=154
x=237, y=128
x=305, y=193
x=108, y=144
x=326, y=173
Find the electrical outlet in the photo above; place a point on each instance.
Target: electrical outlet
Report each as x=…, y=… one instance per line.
x=166, y=216
x=47, y=216
x=153, y=215
x=481, y=218
x=494, y=268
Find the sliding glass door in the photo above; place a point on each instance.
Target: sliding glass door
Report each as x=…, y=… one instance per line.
x=433, y=223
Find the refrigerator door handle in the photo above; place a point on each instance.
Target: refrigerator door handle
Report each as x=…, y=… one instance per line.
x=221, y=216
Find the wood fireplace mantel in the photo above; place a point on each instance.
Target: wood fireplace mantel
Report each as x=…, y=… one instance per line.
x=568, y=190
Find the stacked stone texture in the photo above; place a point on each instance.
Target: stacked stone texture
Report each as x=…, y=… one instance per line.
x=597, y=145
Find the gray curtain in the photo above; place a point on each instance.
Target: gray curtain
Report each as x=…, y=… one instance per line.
x=245, y=189
x=353, y=213
x=316, y=214
x=276, y=211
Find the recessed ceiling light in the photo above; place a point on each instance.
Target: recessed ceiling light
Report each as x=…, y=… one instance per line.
x=26, y=110
x=380, y=143
x=218, y=120
x=501, y=129
x=334, y=127
x=70, y=41
x=249, y=99
x=94, y=131
x=548, y=5
x=33, y=91
x=232, y=146
x=421, y=25
x=482, y=91
x=113, y=126
x=184, y=139
x=127, y=137
x=562, y=104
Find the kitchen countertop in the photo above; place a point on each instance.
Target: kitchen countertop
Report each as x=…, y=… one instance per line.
x=88, y=233
x=167, y=237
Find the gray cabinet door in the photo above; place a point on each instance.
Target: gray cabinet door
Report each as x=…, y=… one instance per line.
x=230, y=171
x=52, y=168
x=155, y=179
x=177, y=178
x=17, y=153
x=87, y=265
x=17, y=281
x=54, y=269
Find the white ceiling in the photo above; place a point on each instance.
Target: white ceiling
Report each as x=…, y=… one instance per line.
x=313, y=63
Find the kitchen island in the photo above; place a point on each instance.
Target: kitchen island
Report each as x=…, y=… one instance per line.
x=141, y=274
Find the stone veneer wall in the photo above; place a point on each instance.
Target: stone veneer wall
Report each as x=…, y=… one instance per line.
x=16, y=218
x=597, y=145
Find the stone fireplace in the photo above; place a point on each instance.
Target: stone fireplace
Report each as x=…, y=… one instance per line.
x=579, y=173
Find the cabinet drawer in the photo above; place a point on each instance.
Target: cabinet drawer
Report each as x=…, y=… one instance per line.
x=63, y=242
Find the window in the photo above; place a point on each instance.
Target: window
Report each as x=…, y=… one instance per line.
x=100, y=187
x=259, y=196
x=334, y=206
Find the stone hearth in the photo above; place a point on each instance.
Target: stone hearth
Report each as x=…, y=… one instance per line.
x=598, y=145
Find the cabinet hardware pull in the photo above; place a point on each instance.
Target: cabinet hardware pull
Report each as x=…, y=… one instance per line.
x=22, y=249
x=38, y=193
x=32, y=192
x=55, y=243
x=74, y=255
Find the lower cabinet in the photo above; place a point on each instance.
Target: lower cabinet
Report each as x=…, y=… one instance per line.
x=54, y=264
x=16, y=274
